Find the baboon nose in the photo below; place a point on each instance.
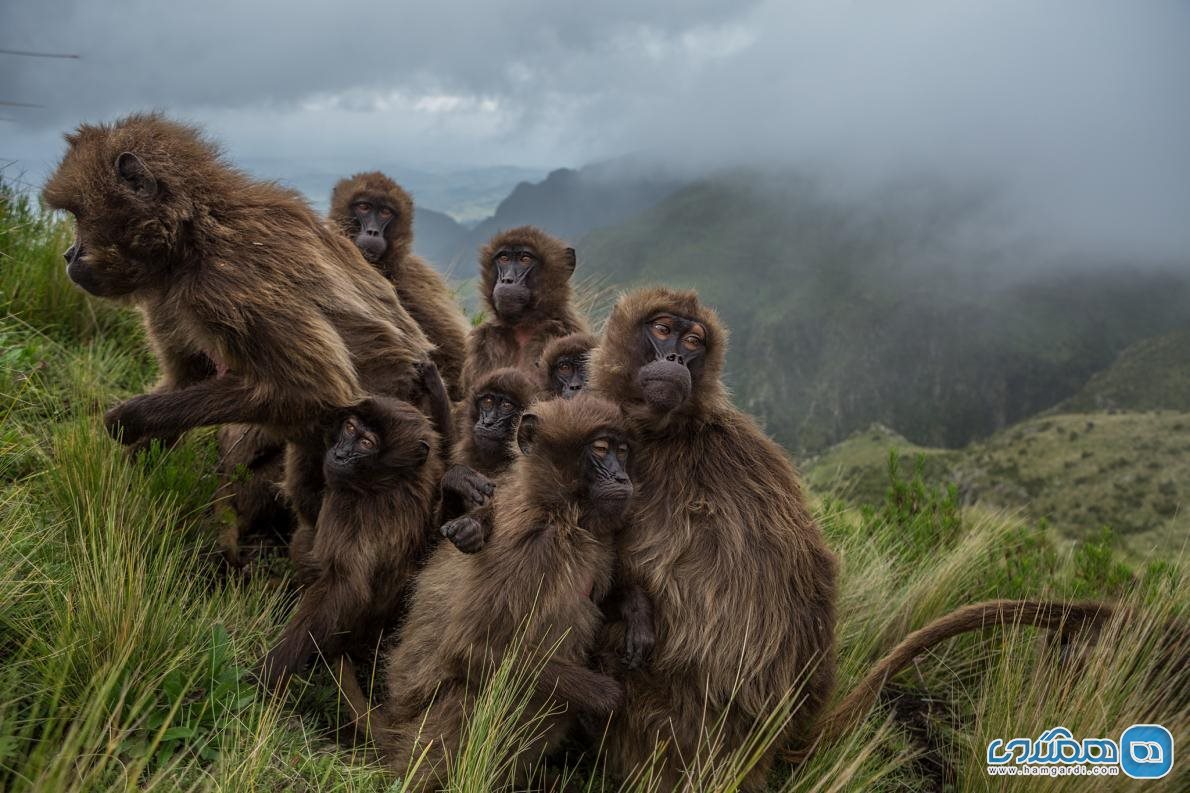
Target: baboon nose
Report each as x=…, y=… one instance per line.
x=675, y=358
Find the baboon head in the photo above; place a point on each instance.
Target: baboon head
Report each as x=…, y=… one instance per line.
x=525, y=275
x=496, y=404
x=576, y=450
x=563, y=364
x=377, y=214
x=131, y=187
x=664, y=350
x=376, y=443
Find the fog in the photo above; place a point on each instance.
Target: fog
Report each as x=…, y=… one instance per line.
x=1074, y=112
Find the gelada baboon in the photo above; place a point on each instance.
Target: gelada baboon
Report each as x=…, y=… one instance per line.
x=378, y=514
x=487, y=423
x=377, y=214
x=550, y=561
x=251, y=474
x=562, y=370
x=257, y=312
x=525, y=285
x=723, y=545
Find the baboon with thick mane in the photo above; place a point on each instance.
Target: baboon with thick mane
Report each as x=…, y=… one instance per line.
x=549, y=563
x=257, y=312
x=525, y=286
x=374, y=529
x=377, y=215
x=564, y=365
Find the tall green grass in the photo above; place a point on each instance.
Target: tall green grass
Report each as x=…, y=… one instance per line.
x=126, y=650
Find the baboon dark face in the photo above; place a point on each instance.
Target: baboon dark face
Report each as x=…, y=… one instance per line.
x=119, y=234
x=606, y=469
x=674, y=347
x=513, y=292
x=568, y=375
x=496, y=417
x=372, y=218
x=361, y=452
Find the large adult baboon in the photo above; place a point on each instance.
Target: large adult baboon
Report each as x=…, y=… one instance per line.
x=721, y=541
x=375, y=527
x=377, y=215
x=257, y=312
x=525, y=285
x=549, y=563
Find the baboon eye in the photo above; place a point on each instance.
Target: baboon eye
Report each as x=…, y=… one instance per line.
x=600, y=447
x=503, y=258
x=349, y=427
x=565, y=368
x=363, y=206
x=692, y=342
x=386, y=213
x=506, y=407
x=622, y=450
x=367, y=442
x=526, y=258
x=660, y=329
x=486, y=402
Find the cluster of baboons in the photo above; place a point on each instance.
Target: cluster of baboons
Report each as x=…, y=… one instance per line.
x=456, y=492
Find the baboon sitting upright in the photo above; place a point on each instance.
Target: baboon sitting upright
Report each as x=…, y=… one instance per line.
x=377, y=215
x=525, y=284
x=549, y=562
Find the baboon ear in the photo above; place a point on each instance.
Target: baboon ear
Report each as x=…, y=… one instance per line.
x=569, y=259
x=423, y=452
x=136, y=174
x=526, y=433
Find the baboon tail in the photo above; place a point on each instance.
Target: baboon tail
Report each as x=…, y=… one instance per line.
x=1052, y=615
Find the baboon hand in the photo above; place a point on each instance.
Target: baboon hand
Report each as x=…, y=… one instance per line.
x=607, y=695
x=126, y=422
x=470, y=485
x=638, y=643
x=465, y=532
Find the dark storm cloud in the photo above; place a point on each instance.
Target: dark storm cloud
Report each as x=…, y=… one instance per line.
x=1075, y=108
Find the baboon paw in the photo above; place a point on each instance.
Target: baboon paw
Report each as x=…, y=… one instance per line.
x=466, y=533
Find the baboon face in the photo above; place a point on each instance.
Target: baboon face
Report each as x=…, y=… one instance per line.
x=121, y=231
x=372, y=216
x=673, y=348
x=606, y=469
x=568, y=375
x=496, y=416
x=366, y=448
x=515, y=276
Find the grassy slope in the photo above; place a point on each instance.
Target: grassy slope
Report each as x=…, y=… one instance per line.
x=1153, y=374
x=124, y=647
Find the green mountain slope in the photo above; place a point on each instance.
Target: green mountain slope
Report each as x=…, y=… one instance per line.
x=1153, y=374
x=900, y=309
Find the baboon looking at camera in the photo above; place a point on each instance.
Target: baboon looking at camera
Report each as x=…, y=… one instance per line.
x=564, y=364
x=257, y=312
x=377, y=215
x=525, y=284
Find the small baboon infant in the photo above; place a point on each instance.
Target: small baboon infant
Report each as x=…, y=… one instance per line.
x=549, y=563
x=562, y=370
x=382, y=471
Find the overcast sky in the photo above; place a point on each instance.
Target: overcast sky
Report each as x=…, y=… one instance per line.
x=1080, y=108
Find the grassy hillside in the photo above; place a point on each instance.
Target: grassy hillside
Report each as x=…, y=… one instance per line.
x=1153, y=374
x=126, y=649
x=902, y=309
x=1081, y=472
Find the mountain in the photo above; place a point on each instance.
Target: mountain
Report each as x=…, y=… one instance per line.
x=906, y=307
x=436, y=237
x=1153, y=374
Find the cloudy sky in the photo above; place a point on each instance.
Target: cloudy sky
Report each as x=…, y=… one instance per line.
x=1081, y=108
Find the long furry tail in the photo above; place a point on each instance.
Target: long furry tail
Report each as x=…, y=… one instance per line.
x=1052, y=615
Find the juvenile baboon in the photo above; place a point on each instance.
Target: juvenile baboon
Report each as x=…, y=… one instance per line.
x=723, y=545
x=487, y=424
x=550, y=561
x=563, y=368
x=377, y=214
x=374, y=528
x=257, y=312
x=525, y=285
x=251, y=474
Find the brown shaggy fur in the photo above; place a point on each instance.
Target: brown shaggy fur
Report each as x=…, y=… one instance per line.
x=251, y=473
x=423, y=292
x=508, y=381
x=257, y=312
x=721, y=540
x=497, y=343
x=549, y=563
x=576, y=345
x=373, y=531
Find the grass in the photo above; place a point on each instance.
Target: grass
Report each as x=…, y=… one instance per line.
x=125, y=648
